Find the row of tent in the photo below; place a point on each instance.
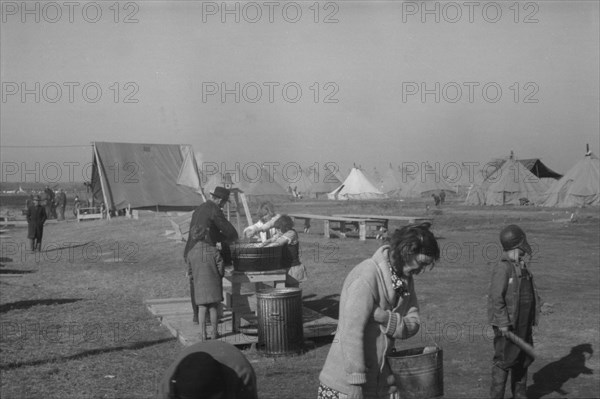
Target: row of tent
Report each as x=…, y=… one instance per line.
x=163, y=176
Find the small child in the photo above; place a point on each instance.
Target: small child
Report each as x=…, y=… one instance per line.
x=285, y=234
x=513, y=305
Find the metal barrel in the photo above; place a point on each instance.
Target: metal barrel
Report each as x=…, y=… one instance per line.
x=419, y=372
x=280, y=331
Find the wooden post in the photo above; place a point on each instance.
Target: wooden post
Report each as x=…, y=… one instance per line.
x=101, y=176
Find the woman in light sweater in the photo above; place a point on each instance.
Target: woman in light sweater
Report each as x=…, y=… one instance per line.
x=378, y=304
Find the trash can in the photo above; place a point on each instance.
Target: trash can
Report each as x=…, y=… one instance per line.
x=280, y=331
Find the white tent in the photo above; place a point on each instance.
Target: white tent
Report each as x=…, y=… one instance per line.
x=578, y=187
x=356, y=186
x=508, y=185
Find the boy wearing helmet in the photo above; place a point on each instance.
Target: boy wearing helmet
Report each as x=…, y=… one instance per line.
x=513, y=305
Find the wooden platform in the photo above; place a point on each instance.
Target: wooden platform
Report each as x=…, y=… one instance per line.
x=176, y=315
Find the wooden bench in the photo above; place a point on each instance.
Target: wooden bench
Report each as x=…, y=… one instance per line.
x=386, y=218
x=89, y=213
x=342, y=221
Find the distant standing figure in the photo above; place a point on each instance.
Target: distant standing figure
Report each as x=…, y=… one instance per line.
x=442, y=197
x=49, y=201
x=76, y=205
x=36, y=217
x=436, y=199
x=61, y=203
x=212, y=370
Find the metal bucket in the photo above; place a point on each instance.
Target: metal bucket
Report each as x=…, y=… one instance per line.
x=280, y=330
x=419, y=372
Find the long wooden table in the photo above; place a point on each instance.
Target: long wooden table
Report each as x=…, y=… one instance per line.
x=386, y=218
x=341, y=220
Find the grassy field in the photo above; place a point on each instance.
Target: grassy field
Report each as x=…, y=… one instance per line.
x=74, y=326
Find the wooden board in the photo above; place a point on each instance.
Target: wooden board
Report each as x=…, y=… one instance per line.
x=176, y=315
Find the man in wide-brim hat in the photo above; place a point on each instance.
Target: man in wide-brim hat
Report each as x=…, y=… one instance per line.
x=36, y=217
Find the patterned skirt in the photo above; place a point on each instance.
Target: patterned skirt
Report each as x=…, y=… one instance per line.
x=325, y=392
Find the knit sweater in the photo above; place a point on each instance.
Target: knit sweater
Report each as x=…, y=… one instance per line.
x=357, y=354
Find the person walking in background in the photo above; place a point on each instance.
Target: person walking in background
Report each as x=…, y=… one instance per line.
x=48, y=201
x=442, y=197
x=436, y=199
x=378, y=304
x=204, y=261
x=513, y=305
x=212, y=370
x=61, y=203
x=287, y=236
x=36, y=217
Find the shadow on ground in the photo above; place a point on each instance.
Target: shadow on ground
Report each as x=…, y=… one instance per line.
x=328, y=305
x=137, y=345
x=35, y=302
x=553, y=376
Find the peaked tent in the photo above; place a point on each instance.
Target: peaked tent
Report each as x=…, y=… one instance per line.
x=579, y=187
x=507, y=186
x=258, y=184
x=356, y=186
x=425, y=184
x=322, y=182
x=145, y=176
x=534, y=165
x=393, y=183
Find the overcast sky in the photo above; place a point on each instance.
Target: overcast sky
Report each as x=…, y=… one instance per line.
x=361, y=77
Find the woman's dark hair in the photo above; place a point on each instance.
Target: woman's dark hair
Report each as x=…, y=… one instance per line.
x=284, y=223
x=410, y=241
x=265, y=208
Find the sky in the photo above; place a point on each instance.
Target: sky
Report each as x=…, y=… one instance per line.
x=308, y=83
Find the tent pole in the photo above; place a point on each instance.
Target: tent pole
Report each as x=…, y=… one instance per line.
x=108, y=206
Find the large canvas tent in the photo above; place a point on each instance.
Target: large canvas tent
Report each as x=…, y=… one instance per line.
x=579, y=187
x=393, y=182
x=534, y=165
x=508, y=185
x=259, y=185
x=356, y=186
x=153, y=176
x=425, y=184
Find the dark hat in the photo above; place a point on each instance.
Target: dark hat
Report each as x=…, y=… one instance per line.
x=512, y=237
x=220, y=192
x=198, y=375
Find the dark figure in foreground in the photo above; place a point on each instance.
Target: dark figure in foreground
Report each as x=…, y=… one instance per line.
x=205, y=263
x=36, y=217
x=513, y=305
x=209, y=370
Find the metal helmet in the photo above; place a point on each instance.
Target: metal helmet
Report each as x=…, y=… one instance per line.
x=512, y=237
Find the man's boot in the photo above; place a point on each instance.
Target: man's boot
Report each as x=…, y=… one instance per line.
x=31, y=245
x=499, y=377
x=518, y=382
